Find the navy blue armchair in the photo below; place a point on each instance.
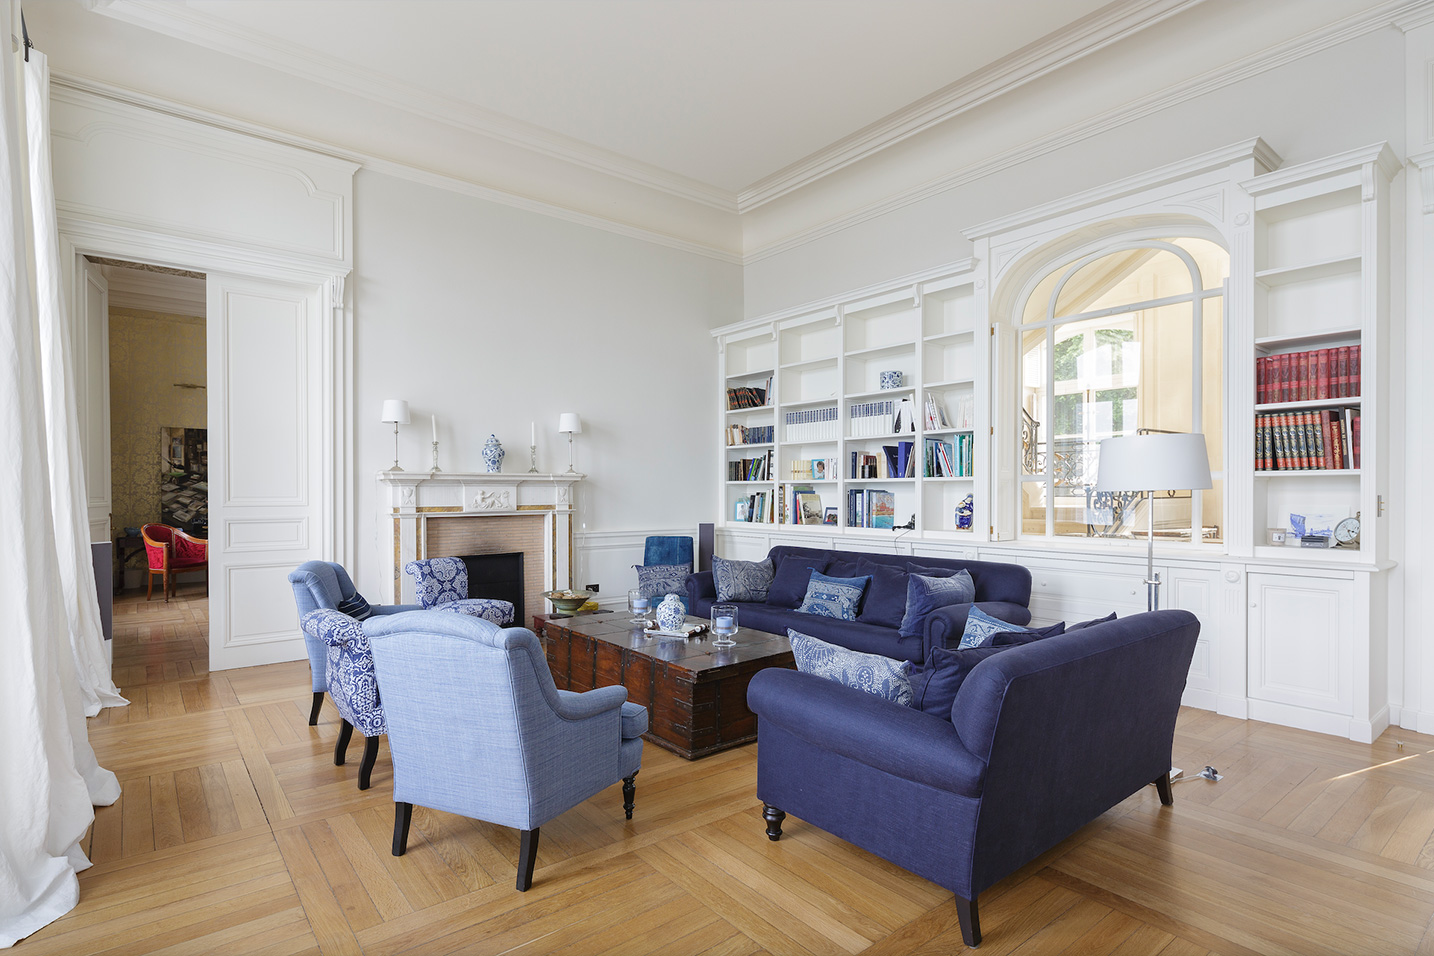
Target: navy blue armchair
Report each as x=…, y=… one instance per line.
x=324, y=584
x=477, y=727
x=1043, y=738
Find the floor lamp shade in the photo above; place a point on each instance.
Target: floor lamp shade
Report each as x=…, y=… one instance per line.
x=395, y=410
x=1154, y=463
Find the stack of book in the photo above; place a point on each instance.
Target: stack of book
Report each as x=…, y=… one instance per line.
x=949, y=459
x=872, y=419
x=895, y=461
x=748, y=396
x=870, y=508
x=1313, y=440
x=819, y=469
x=806, y=505
x=750, y=469
x=755, y=507
x=1308, y=376
x=753, y=435
x=812, y=424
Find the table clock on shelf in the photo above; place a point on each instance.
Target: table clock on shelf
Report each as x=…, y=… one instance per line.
x=1346, y=533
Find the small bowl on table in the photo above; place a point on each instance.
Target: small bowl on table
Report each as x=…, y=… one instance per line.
x=568, y=602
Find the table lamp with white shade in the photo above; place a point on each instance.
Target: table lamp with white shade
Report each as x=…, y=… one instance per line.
x=570, y=424
x=395, y=410
x=1151, y=463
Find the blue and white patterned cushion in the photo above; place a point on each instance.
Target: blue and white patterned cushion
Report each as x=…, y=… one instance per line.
x=926, y=593
x=742, y=580
x=660, y=580
x=487, y=609
x=439, y=580
x=834, y=597
x=981, y=627
x=349, y=669
x=886, y=678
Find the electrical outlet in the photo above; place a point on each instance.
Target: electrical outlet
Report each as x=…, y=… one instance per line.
x=593, y=588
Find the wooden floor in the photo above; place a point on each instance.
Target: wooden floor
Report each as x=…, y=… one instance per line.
x=237, y=834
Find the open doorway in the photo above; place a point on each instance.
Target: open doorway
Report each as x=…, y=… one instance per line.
x=158, y=415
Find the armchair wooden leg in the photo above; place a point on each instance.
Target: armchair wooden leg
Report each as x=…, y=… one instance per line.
x=629, y=790
x=346, y=732
x=1162, y=786
x=970, y=922
x=314, y=712
x=402, y=817
x=370, y=754
x=774, y=818
x=527, y=857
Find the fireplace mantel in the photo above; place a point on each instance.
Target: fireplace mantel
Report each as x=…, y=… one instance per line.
x=411, y=499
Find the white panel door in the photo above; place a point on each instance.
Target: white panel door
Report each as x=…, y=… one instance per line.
x=92, y=339
x=267, y=508
x=1302, y=641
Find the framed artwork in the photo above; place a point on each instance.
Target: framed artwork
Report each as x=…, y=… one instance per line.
x=830, y=517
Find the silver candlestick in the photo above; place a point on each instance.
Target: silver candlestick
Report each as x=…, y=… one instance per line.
x=435, y=469
x=532, y=459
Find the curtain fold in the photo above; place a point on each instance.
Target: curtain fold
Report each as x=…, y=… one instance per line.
x=48, y=774
x=67, y=468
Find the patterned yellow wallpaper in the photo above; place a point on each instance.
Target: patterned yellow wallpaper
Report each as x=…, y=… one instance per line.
x=149, y=353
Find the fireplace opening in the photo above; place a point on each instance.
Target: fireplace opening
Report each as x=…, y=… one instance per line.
x=497, y=576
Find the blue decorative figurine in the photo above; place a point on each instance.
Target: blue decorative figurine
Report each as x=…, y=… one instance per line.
x=964, y=511
x=492, y=455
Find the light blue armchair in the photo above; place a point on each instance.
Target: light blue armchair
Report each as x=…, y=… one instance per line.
x=442, y=585
x=323, y=584
x=352, y=685
x=476, y=727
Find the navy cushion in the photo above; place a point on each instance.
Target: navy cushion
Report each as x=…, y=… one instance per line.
x=1100, y=620
x=980, y=627
x=789, y=584
x=355, y=607
x=1023, y=635
x=885, y=601
x=886, y=678
x=843, y=568
x=934, y=684
x=742, y=580
x=834, y=597
x=925, y=594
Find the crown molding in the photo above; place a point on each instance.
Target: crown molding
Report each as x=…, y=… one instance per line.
x=427, y=177
x=1079, y=39
x=1379, y=154
x=182, y=23
x=1273, y=57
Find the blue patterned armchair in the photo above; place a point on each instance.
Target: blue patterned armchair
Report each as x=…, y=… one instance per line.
x=323, y=584
x=442, y=585
x=352, y=685
x=476, y=727
x=666, y=565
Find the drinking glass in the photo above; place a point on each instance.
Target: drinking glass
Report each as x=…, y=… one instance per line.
x=724, y=624
x=640, y=605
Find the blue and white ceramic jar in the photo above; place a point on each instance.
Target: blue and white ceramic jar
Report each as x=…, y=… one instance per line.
x=891, y=379
x=671, y=614
x=493, y=455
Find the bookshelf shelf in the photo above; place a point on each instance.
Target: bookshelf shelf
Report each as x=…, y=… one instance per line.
x=1351, y=402
x=943, y=337
x=1284, y=275
x=1310, y=473
x=761, y=373
x=950, y=383
x=752, y=444
x=934, y=432
x=881, y=351
x=1325, y=337
x=816, y=363
x=893, y=393
x=879, y=481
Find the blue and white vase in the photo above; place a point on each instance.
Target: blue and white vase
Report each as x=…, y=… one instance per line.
x=671, y=615
x=891, y=379
x=964, y=511
x=493, y=455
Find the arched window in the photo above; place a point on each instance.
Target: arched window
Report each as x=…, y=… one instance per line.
x=1122, y=341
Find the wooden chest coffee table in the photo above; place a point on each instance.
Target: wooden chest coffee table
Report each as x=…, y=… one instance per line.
x=695, y=694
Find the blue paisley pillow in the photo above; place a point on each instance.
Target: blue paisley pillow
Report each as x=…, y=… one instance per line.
x=834, y=597
x=926, y=593
x=439, y=580
x=886, y=678
x=658, y=580
x=982, y=627
x=742, y=580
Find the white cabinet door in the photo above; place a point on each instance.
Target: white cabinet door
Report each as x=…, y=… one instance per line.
x=1302, y=638
x=267, y=508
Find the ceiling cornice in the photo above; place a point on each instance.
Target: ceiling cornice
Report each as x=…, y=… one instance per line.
x=180, y=22
x=1081, y=38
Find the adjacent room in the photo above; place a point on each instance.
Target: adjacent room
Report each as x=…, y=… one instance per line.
x=717, y=477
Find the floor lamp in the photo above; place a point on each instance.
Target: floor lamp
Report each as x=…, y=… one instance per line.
x=1150, y=463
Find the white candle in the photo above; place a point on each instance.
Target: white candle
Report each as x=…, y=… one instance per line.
x=641, y=604
x=534, y=427
x=724, y=623
x=434, y=419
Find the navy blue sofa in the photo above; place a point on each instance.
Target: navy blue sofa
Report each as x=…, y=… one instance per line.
x=1043, y=738
x=1002, y=590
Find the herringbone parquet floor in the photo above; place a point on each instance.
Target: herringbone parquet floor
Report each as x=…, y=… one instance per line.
x=237, y=834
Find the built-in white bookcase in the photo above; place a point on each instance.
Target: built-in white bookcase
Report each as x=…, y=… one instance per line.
x=1320, y=269
x=827, y=360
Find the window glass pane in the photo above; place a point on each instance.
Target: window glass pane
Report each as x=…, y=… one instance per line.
x=1212, y=389
x=1033, y=507
x=1213, y=517
x=1214, y=261
x=1033, y=404
x=1167, y=351
x=1131, y=275
x=1040, y=299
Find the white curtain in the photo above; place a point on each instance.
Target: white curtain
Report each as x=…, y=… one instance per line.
x=49, y=779
x=67, y=469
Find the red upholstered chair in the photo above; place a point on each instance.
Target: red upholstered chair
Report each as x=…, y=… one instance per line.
x=171, y=551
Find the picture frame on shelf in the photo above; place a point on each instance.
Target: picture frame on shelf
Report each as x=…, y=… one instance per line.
x=830, y=517
x=739, y=511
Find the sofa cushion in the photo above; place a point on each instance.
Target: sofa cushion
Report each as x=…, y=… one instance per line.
x=935, y=683
x=925, y=594
x=660, y=580
x=834, y=597
x=355, y=607
x=742, y=580
x=885, y=601
x=980, y=627
x=1024, y=635
x=843, y=567
x=1100, y=620
x=873, y=673
x=789, y=584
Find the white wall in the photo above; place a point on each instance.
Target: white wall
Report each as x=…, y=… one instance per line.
x=491, y=317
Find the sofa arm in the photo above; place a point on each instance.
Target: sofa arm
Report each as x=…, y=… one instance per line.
x=885, y=736
x=381, y=609
x=701, y=586
x=945, y=625
x=575, y=706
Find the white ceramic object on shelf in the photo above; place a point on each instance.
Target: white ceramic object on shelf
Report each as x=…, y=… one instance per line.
x=670, y=613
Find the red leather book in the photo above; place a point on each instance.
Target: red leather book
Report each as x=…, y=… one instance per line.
x=1284, y=378
x=1354, y=428
x=1326, y=427
x=1322, y=375
x=1355, y=374
x=1341, y=372
x=1306, y=376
